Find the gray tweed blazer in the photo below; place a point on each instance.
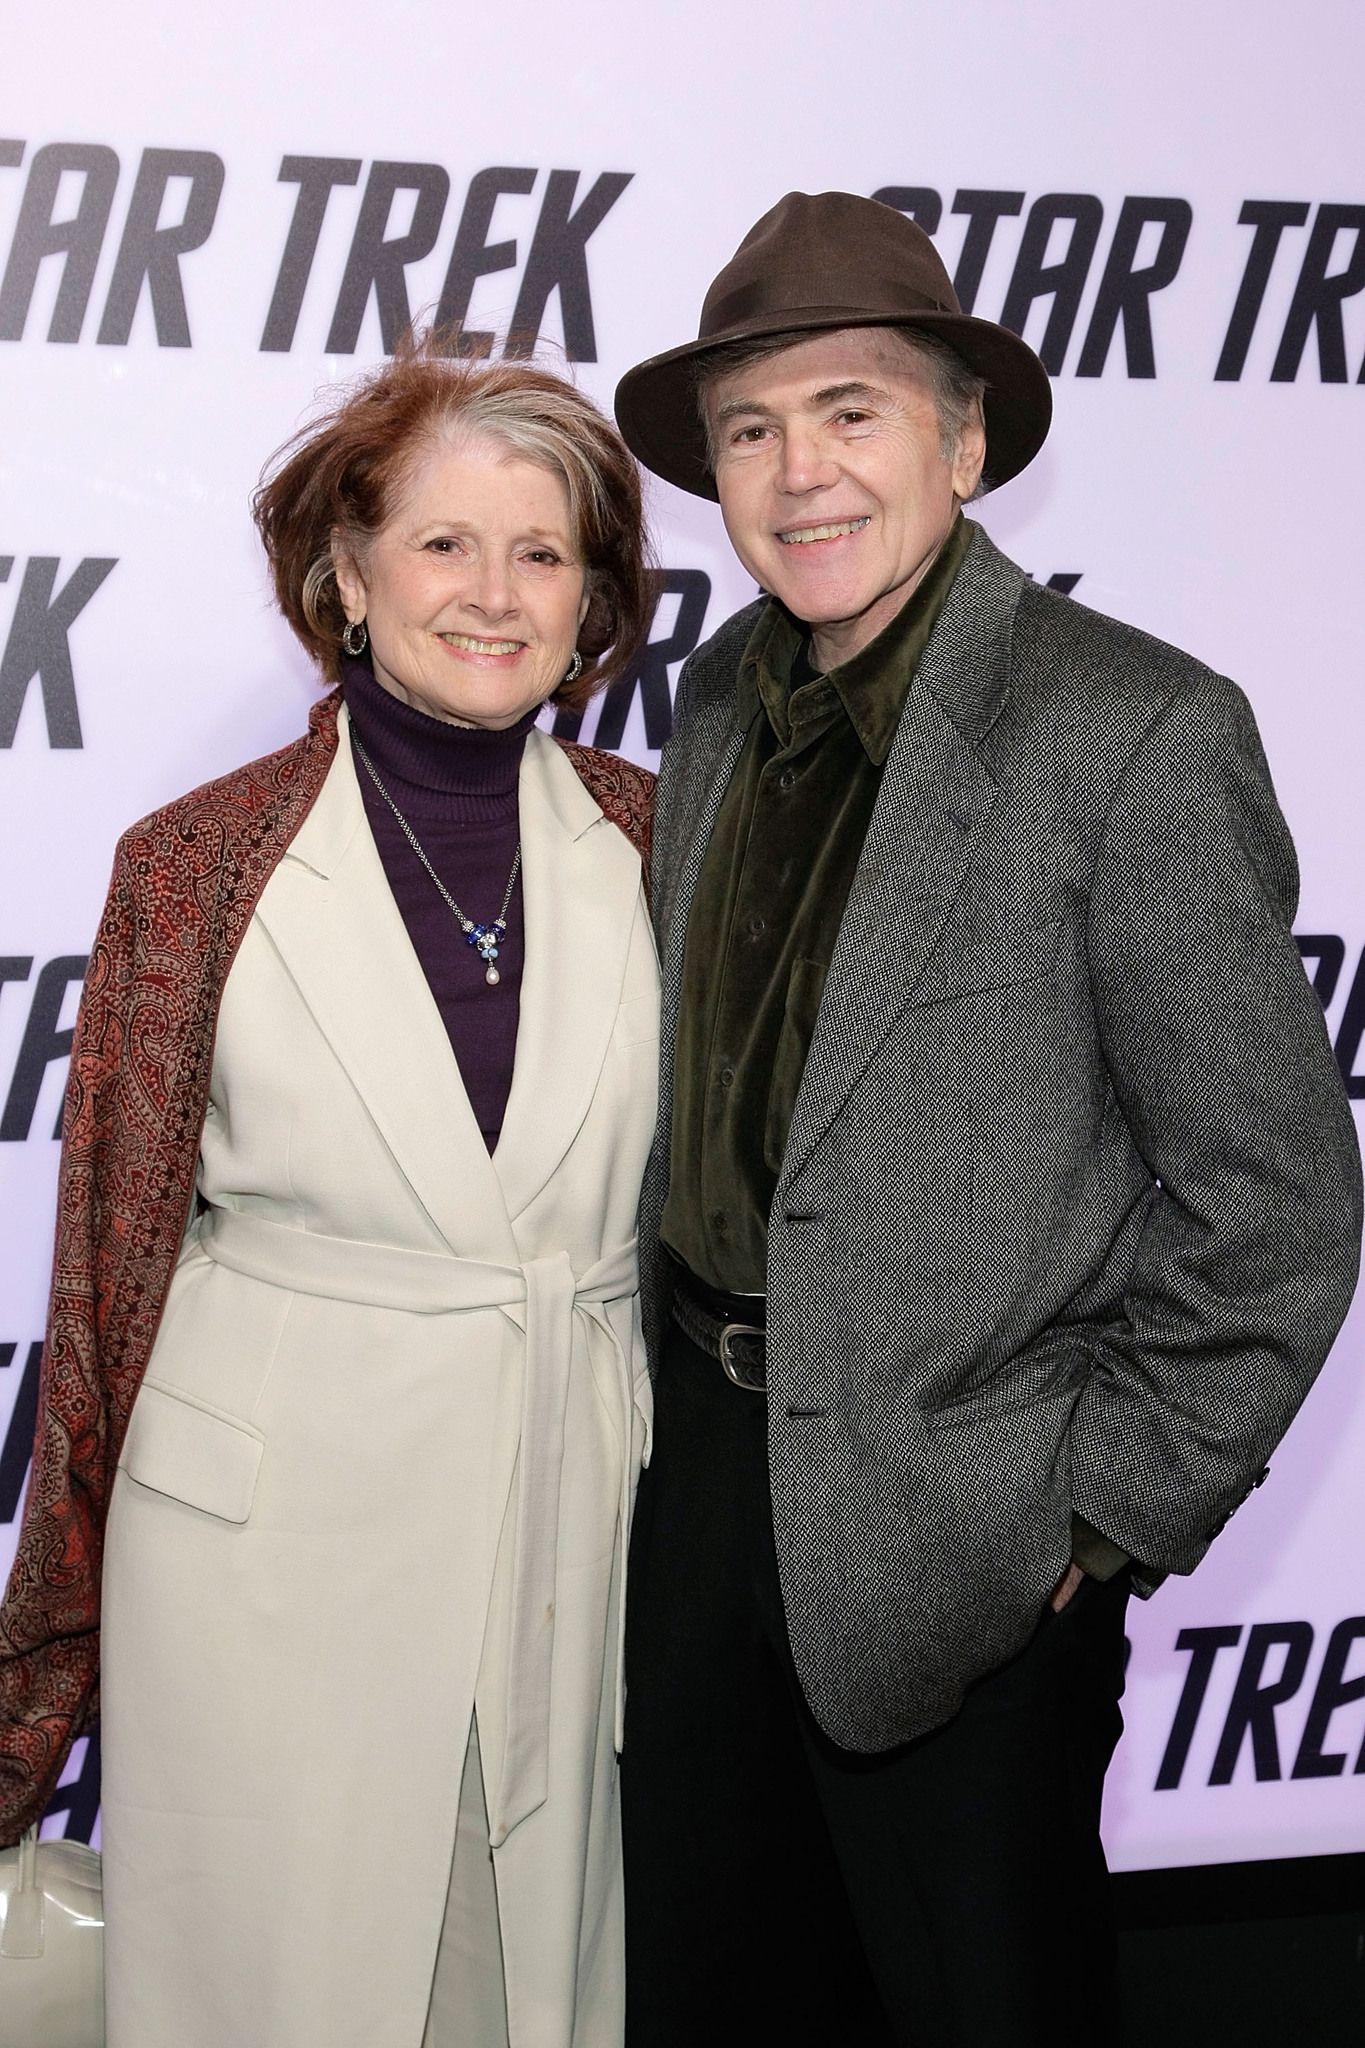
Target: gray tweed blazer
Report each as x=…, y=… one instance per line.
x=1070, y=1211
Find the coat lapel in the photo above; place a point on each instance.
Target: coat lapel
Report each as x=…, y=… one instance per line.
x=331, y=915
x=714, y=744
x=936, y=795
x=580, y=888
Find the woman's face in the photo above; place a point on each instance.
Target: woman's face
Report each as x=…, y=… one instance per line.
x=474, y=592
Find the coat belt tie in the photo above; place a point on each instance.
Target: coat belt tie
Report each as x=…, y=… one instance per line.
x=548, y=1294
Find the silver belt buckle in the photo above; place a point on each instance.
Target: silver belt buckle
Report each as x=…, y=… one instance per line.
x=739, y=1374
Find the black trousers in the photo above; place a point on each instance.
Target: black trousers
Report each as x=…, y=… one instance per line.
x=948, y=1894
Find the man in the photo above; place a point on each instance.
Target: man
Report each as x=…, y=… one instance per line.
x=1005, y=1200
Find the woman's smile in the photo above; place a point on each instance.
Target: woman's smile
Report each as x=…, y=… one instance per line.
x=481, y=531
x=502, y=653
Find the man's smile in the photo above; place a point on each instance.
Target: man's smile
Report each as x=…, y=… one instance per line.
x=801, y=536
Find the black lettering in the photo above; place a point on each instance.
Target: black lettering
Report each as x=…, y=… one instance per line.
x=37, y=235
x=1253, y=1704
x=692, y=587
x=1328, y=950
x=152, y=252
x=382, y=264
x=984, y=210
x=1203, y=1645
x=1126, y=294
x=37, y=646
x=1270, y=218
x=558, y=260
x=17, y=1455
x=921, y=202
x=315, y=177
x=14, y=969
x=1333, y=1691
x=1064, y=281
x=1065, y=581
x=42, y=1043
x=1349, y=1034
x=474, y=256
x=1318, y=298
x=79, y=1799
x=11, y=155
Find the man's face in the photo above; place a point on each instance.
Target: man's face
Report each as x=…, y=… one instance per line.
x=834, y=489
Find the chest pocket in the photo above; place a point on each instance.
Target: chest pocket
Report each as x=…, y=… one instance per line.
x=805, y=987
x=1004, y=961
x=637, y=1019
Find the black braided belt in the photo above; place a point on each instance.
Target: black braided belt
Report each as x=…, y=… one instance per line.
x=713, y=1322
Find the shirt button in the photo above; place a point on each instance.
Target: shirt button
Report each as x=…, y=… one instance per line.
x=757, y=926
x=718, y=1221
x=786, y=778
x=727, y=1075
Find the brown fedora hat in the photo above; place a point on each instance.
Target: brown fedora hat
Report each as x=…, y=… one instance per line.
x=825, y=260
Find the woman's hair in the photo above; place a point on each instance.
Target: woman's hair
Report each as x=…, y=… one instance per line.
x=343, y=474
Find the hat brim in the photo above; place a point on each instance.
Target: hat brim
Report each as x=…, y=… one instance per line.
x=656, y=407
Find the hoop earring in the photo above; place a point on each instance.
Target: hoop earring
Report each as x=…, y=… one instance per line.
x=575, y=670
x=355, y=639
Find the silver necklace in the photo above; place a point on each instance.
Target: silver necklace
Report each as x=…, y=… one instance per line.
x=484, y=938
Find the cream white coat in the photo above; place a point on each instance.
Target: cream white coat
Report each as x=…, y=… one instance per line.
x=380, y=1472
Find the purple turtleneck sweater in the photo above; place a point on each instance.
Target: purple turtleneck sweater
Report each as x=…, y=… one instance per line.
x=457, y=788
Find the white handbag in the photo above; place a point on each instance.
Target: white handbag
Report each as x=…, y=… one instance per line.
x=51, y=1945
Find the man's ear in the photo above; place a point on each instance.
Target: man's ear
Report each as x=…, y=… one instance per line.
x=350, y=582
x=970, y=457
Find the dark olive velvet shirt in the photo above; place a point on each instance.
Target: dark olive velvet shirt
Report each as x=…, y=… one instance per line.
x=766, y=915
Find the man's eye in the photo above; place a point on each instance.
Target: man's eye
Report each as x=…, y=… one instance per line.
x=751, y=433
x=851, y=418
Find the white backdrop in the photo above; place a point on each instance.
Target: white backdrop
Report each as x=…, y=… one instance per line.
x=1221, y=512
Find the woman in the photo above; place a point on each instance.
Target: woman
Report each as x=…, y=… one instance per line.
x=361, y=1283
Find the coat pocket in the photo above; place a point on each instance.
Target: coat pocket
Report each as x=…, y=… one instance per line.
x=1009, y=1397
x=637, y=1018
x=177, y=1447
x=1011, y=961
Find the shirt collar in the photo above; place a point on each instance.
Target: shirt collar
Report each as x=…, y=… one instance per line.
x=875, y=683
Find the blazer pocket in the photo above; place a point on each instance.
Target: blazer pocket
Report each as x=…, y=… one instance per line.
x=176, y=1447
x=992, y=1403
x=1008, y=962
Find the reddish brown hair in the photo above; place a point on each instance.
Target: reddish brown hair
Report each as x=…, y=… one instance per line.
x=344, y=470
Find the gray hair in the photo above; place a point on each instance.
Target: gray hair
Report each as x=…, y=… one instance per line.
x=558, y=431
x=955, y=389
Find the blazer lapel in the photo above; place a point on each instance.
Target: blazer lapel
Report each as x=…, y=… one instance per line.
x=936, y=794
x=580, y=888
x=694, y=776
x=331, y=915
x=714, y=743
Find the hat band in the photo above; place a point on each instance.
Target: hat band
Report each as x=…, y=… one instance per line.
x=894, y=300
